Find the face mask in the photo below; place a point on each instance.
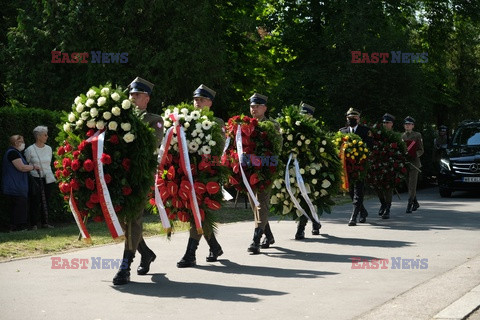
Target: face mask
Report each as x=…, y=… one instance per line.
x=352, y=122
x=22, y=146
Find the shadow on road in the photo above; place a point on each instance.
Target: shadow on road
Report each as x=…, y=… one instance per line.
x=162, y=287
x=285, y=253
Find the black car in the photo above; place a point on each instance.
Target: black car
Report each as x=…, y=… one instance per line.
x=460, y=163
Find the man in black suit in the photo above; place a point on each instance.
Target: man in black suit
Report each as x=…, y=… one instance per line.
x=356, y=189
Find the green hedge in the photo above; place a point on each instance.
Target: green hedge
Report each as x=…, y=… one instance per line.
x=21, y=120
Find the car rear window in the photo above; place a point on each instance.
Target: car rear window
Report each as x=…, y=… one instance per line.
x=467, y=136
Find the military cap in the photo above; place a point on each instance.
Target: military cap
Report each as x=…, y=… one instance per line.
x=258, y=98
x=443, y=128
x=387, y=117
x=140, y=85
x=204, y=91
x=353, y=112
x=409, y=119
x=306, y=108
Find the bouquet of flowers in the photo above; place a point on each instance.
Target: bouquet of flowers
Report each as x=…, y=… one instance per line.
x=387, y=160
x=204, y=141
x=353, y=153
x=319, y=167
x=105, y=162
x=260, y=144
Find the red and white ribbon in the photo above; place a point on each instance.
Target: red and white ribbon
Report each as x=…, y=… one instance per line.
x=238, y=140
x=106, y=204
x=185, y=164
x=158, y=199
x=78, y=218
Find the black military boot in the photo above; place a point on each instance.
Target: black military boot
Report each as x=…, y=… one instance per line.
x=386, y=213
x=301, y=228
x=269, y=239
x=363, y=215
x=255, y=245
x=409, y=207
x=189, y=259
x=382, y=208
x=353, y=218
x=316, y=228
x=147, y=257
x=215, y=249
x=123, y=274
x=415, y=205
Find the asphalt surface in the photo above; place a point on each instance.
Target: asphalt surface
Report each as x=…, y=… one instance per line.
x=311, y=279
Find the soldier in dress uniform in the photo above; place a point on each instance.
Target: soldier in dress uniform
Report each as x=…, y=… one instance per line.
x=414, y=143
x=385, y=195
x=140, y=91
x=258, y=109
x=203, y=97
x=356, y=190
x=308, y=110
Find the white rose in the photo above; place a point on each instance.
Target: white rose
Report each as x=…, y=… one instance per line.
x=186, y=125
x=322, y=150
x=316, y=193
x=91, y=123
x=198, y=126
x=198, y=140
x=298, y=122
x=184, y=111
x=314, y=181
x=126, y=126
x=107, y=115
x=324, y=142
x=313, y=171
x=128, y=137
x=112, y=125
x=212, y=143
x=66, y=127
x=326, y=184
x=100, y=125
x=324, y=192
x=292, y=180
x=79, y=107
x=194, y=133
x=116, y=111
x=302, y=137
x=167, y=124
x=307, y=141
x=278, y=183
x=299, y=143
x=201, y=135
x=289, y=137
x=208, y=137
x=101, y=101
x=188, y=118
x=79, y=123
x=71, y=117
x=89, y=102
x=126, y=104
x=77, y=100
x=85, y=115
x=302, y=171
x=176, y=110
x=273, y=200
x=206, y=150
x=167, y=113
x=91, y=93
x=94, y=112
x=115, y=96
x=175, y=147
x=105, y=91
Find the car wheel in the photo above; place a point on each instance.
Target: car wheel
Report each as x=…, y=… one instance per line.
x=445, y=193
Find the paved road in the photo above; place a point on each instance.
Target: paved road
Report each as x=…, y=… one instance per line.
x=310, y=279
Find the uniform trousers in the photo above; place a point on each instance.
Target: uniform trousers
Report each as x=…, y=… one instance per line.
x=261, y=214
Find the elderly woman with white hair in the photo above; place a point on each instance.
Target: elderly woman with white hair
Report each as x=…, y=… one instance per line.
x=41, y=154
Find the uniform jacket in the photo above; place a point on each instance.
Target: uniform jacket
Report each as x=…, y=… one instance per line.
x=363, y=132
x=156, y=122
x=417, y=138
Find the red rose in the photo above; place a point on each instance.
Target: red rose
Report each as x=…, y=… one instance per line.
x=90, y=133
x=64, y=187
x=82, y=145
x=76, y=153
x=55, y=164
x=114, y=139
x=94, y=198
x=126, y=164
x=90, y=183
x=61, y=151
x=98, y=218
x=68, y=148
x=106, y=159
x=108, y=178
x=74, y=184
x=118, y=208
x=126, y=190
x=67, y=162
x=88, y=165
x=65, y=173
x=152, y=201
x=90, y=204
x=58, y=174
x=76, y=165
